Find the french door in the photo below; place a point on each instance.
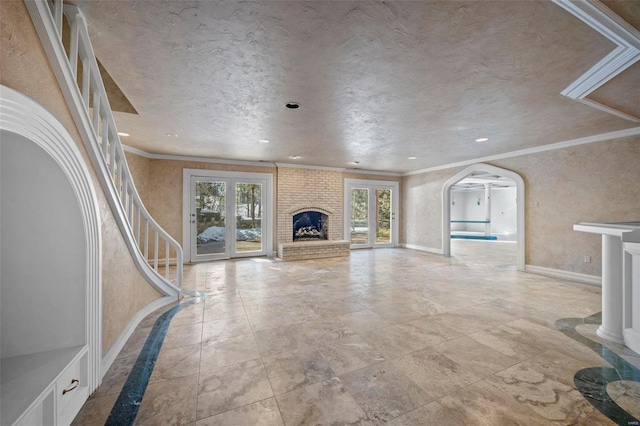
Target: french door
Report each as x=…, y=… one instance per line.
x=227, y=217
x=371, y=208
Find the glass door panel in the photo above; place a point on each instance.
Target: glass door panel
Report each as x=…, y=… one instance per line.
x=210, y=219
x=359, y=216
x=228, y=216
x=248, y=209
x=383, y=216
x=370, y=213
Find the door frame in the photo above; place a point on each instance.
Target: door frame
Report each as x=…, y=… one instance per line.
x=395, y=204
x=520, y=204
x=267, y=208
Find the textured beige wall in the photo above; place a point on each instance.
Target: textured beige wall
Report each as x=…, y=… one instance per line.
x=24, y=67
x=164, y=189
x=140, y=168
x=587, y=183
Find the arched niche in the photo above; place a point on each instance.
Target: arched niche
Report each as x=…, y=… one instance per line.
x=51, y=265
x=520, y=201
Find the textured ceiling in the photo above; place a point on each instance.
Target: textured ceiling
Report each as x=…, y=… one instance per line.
x=622, y=92
x=378, y=82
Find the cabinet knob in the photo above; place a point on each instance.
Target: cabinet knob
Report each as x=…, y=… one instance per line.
x=75, y=382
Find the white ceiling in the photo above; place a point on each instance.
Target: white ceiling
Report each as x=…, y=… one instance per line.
x=477, y=180
x=377, y=81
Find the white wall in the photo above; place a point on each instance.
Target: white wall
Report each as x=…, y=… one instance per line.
x=42, y=253
x=503, y=210
x=466, y=208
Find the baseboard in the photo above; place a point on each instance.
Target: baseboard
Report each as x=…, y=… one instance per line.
x=421, y=248
x=117, y=346
x=564, y=275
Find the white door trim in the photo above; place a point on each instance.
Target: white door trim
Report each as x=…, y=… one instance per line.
x=371, y=185
x=267, y=216
x=520, y=202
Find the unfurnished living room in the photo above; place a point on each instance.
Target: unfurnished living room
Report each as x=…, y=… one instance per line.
x=319, y=212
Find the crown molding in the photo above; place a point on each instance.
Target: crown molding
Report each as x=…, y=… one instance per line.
x=371, y=172
x=634, y=131
x=153, y=156
x=602, y=19
x=303, y=166
x=169, y=157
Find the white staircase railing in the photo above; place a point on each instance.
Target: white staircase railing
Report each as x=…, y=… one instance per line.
x=156, y=254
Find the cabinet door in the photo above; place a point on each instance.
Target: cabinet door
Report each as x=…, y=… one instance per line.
x=42, y=413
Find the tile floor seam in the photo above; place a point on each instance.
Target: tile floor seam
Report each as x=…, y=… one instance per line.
x=236, y=408
x=200, y=361
x=510, y=397
x=273, y=393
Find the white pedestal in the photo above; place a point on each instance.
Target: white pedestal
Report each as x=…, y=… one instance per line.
x=613, y=237
x=631, y=296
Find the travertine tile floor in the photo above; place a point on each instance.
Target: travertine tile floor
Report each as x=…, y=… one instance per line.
x=387, y=335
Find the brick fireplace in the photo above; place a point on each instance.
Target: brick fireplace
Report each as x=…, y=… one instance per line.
x=310, y=190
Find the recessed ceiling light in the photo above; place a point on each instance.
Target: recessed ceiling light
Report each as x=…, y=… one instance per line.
x=264, y=141
x=123, y=134
x=292, y=105
x=482, y=139
x=172, y=135
x=294, y=157
x=412, y=158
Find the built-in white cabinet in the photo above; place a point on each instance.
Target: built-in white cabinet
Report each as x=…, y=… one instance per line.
x=50, y=322
x=62, y=396
x=43, y=308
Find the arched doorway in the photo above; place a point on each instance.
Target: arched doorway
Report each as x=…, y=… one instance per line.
x=51, y=273
x=520, y=199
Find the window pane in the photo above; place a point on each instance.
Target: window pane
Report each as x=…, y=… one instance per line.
x=210, y=217
x=383, y=215
x=359, y=216
x=248, y=217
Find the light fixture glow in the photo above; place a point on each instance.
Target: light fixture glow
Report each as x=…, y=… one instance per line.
x=355, y=162
x=123, y=134
x=264, y=141
x=482, y=139
x=172, y=135
x=294, y=157
x=412, y=158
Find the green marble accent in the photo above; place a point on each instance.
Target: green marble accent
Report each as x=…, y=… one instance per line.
x=592, y=382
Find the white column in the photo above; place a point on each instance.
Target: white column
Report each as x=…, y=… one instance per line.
x=487, y=208
x=611, y=328
x=631, y=300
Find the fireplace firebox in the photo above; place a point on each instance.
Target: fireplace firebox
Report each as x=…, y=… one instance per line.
x=310, y=226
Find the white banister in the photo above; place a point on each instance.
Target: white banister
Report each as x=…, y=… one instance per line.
x=57, y=16
x=86, y=80
x=155, y=253
x=105, y=138
x=138, y=225
x=73, y=48
x=146, y=239
x=100, y=136
x=96, y=111
x=112, y=163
